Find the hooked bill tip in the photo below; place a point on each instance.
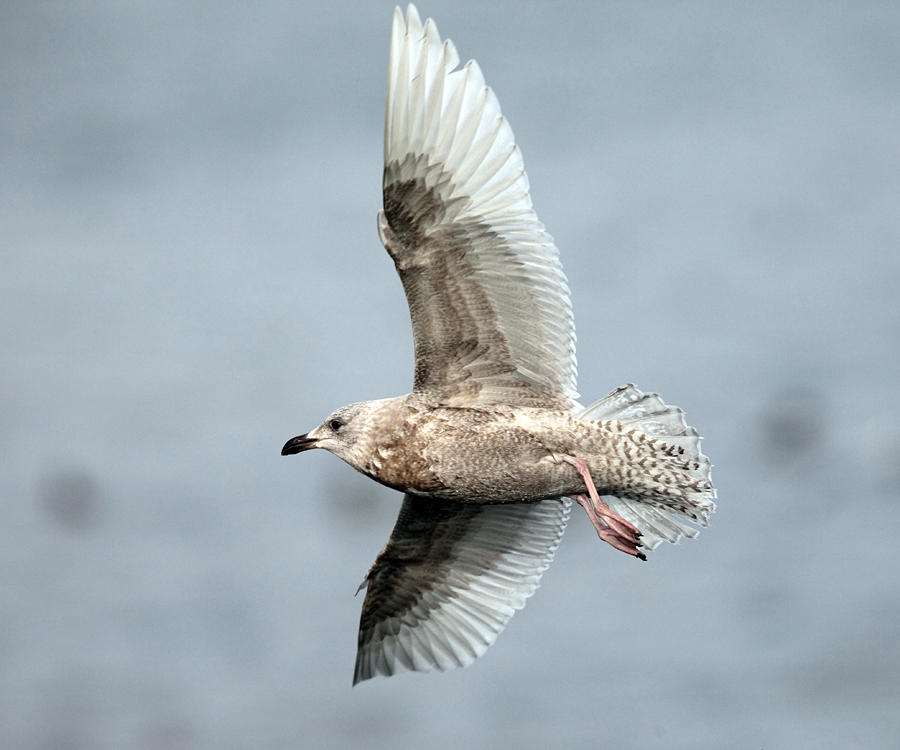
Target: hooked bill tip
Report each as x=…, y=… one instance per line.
x=298, y=445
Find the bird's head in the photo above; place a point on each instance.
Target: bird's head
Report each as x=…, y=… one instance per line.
x=347, y=432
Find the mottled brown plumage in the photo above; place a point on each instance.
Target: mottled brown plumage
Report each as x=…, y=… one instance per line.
x=500, y=453
x=491, y=442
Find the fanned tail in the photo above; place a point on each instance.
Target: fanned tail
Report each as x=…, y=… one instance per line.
x=662, y=512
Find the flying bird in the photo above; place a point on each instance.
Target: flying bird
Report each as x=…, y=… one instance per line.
x=491, y=444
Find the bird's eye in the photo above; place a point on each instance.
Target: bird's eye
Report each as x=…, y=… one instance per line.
x=335, y=424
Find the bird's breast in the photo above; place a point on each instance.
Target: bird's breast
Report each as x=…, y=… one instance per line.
x=401, y=464
x=468, y=456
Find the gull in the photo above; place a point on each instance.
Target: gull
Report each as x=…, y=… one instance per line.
x=491, y=445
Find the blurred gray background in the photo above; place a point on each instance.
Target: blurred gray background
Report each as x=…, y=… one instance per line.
x=191, y=275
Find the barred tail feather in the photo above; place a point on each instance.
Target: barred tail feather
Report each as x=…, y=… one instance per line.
x=659, y=516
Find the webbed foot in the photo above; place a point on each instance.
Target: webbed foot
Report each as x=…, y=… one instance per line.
x=610, y=526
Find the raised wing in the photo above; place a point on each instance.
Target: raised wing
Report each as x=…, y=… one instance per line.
x=491, y=314
x=449, y=579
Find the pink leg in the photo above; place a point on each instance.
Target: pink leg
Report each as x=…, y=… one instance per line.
x=610, y=526
x=624, y=542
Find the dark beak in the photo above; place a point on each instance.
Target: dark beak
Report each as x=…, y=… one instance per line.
x=298, y=445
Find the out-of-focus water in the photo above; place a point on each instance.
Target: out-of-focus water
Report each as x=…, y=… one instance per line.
x=191, y=275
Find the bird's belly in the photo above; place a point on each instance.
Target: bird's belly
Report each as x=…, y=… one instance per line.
x=471, y=456
x=509, y=466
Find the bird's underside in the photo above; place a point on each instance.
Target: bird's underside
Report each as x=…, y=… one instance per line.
x=474, y=536
x=491, y=444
